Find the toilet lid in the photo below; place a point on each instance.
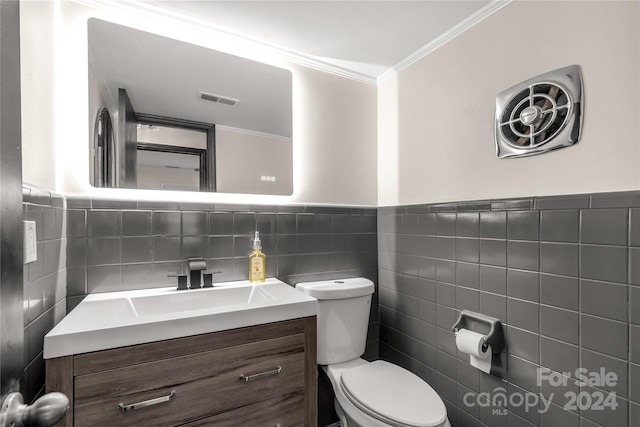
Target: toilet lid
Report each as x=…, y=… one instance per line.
x=393, y=395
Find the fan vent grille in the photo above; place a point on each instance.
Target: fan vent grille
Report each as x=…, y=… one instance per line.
x=535, y=115
x=219, y=99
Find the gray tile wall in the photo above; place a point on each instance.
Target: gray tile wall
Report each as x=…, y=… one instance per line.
x=562, y=273
x=44, y=282
x=117, y=245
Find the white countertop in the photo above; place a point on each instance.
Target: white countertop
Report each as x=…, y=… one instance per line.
x=117, y=319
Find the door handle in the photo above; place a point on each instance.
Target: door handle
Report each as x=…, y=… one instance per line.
x=45, y=412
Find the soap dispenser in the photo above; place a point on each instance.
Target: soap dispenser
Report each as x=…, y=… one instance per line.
x=257, y=261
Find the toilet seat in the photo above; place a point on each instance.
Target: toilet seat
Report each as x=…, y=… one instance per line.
x=393, y=395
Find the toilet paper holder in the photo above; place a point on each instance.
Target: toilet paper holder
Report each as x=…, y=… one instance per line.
x=471, y=321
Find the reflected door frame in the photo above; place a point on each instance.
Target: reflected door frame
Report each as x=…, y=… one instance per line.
x=207, y=157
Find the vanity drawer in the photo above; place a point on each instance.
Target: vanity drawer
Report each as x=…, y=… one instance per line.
x=284, y=411
x=204, y=383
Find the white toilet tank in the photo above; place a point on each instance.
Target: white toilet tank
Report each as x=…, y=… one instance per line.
x=343, y=317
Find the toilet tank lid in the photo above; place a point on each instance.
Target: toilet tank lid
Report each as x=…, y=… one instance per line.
x=338, y=288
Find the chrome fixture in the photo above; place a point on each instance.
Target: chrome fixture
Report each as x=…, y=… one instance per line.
x=196, y=267
x=540, y=114
x=45, y=412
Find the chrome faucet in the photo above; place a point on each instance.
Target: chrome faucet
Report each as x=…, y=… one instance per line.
x=196, y=267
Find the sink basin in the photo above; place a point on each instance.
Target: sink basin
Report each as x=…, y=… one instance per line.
x=202, y=299
x=117, y=319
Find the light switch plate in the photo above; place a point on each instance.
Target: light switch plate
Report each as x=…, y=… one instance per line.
x=30, y=244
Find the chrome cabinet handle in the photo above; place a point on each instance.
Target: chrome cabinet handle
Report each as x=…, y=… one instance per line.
x=124, y=408
x=248, y=378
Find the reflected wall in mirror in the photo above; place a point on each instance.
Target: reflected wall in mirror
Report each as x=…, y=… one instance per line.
x=185, y=117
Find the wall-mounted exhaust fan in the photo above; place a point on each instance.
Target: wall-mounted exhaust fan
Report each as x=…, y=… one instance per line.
x=541, y=114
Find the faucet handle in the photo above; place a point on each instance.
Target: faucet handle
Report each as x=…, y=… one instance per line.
x=208, y=278
x=182, y=281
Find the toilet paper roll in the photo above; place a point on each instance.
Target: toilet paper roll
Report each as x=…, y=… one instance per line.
x=472, y=343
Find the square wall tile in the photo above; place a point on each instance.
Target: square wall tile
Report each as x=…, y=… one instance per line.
x=468, y=224
x=523, y=285
x=559, y=226
x=467, y=249
x=608, y=263
x=493, y=225
x=523, y=344
x=427, y=224
x=244, y=223
x=595, y=362
x=605, y=336
x=522, y=314
x=559, y=356
x=103, y=251
x=467, y=299
x=523, y=373
x=166, y=249
x=446, y=224
x=559, y=291
x=446, y=271
x=166, y=223
x=559, y=258
x=468, y=275
x=76, y=223
x=446, y=294
x=604, y=299
x=194, y=223
x=136, y=223
x=220, y=224
x=523, y=225
x=493, y=252
x=103, y=223
x=103, y=278
x=607, y=416
x=445, y=248
x=493, y=305
x=137, y=249
x=493, y=279
x=604, y=226
x=560, y=324
x=523, y=255
x=266, y=223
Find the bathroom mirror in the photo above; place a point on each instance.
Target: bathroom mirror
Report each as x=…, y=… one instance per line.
x=185, y=117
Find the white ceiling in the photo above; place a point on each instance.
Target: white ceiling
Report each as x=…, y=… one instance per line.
x=362, y=38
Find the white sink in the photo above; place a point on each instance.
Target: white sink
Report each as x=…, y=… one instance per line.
x=118, y=319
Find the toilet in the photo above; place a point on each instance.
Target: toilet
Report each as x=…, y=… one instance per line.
x=367, y=394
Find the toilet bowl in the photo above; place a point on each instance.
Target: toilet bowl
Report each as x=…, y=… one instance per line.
x=367, y=394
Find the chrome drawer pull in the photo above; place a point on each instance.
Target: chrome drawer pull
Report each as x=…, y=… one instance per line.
x=261, y=375
x=124, y=408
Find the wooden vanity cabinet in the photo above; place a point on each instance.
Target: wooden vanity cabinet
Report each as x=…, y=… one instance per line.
x=258, y=375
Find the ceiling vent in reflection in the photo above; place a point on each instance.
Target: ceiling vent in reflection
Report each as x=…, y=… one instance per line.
x=540, y=114
x=219, y=99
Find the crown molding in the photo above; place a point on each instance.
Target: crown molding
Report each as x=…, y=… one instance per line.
x=293, y=56
x=444, y=38
x=288, y=55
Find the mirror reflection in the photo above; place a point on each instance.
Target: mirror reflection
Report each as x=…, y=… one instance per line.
x=184, y=117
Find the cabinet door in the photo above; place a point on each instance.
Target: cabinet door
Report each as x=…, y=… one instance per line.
x=283, y=411
x=200, y=384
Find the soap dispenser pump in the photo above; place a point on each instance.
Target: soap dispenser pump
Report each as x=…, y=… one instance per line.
x=257, y=261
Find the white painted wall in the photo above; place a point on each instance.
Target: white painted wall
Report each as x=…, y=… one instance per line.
x=37, y=50
x=334, y=123
x=435, y=131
